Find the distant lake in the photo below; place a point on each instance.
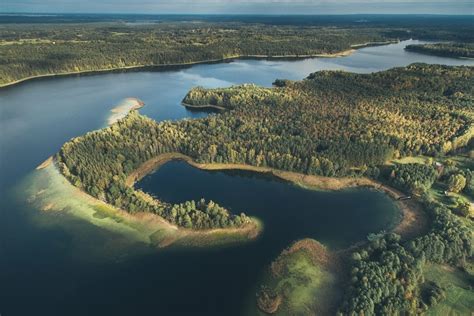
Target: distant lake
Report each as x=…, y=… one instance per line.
x=74, y=268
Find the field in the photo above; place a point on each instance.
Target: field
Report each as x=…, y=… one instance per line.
x=458, y=286
x=302, y=281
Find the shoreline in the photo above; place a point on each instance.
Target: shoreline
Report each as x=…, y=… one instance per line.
x=123, y=108
x=203, y=107
x=413, y=219
x=370, y=44
x=51, y=192
x=415, y=49
x=161, y=67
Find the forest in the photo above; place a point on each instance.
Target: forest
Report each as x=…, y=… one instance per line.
x=43, y=49
x=332, y=123
x=386, y=276
x=413, y=177
x=420, y=109
x=445, y=49
x=416, y=110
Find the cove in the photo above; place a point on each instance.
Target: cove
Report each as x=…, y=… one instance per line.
x=63, y=266
x=337, y=218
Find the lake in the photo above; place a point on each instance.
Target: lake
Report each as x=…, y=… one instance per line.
x=51, y=264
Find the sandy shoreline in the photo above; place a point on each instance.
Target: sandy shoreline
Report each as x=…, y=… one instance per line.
x=343, y=53
x=50, y=191
x=369, y=44
x=413, y=218
x=205, y=106
x=61, y=195
x=123, y=108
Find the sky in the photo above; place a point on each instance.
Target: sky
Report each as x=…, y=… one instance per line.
x=241, y=6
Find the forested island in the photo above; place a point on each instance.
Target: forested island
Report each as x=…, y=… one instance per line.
x=52, y=49
x=445, y=49
x=331, y=124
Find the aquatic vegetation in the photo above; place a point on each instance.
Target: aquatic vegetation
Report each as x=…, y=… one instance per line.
x=303, y=280
x=50, y=192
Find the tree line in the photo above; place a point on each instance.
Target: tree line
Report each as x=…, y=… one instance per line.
x=27, y=51
x=444, y=49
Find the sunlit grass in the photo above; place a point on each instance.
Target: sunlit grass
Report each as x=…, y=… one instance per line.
x=458, y=286
x=304, y=278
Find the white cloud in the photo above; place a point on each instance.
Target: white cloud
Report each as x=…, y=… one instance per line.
x=242, y=6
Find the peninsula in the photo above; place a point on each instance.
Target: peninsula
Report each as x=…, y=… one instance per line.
x=460, y=50
x=295, y=132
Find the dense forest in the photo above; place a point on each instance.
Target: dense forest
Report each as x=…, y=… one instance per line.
x=445, y=49
x=413, y=177
x=27, y=51
x=420, y=109
x=387, y=275
x=332, y=123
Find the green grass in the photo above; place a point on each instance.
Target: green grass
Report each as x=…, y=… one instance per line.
x=458, y=286
x=306, y=285
x=414, y=159
x=463, y=161
x=307, y=288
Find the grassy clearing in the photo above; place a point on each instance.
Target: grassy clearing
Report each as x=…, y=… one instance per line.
x=305, y=282
x=463, y=160
x=302, y=281
x=450, y=199
x=458, y=286
x=437, y=191
x=415, y=159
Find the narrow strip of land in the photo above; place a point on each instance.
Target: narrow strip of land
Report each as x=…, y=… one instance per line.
x=343, y=53
x=121, y=110
x=50, y=191
x=413, y=220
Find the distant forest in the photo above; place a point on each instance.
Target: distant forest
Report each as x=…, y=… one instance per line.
x=50, y=48
x=445, y=49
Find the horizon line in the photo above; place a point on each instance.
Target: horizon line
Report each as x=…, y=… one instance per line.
x=228, y=14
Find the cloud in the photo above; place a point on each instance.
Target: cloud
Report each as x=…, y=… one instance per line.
x=241, y=6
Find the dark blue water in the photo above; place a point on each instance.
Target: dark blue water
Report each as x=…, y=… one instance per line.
x=288, y=212
x=70, y=267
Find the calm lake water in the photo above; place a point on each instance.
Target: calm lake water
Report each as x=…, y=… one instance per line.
x=71, y=268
